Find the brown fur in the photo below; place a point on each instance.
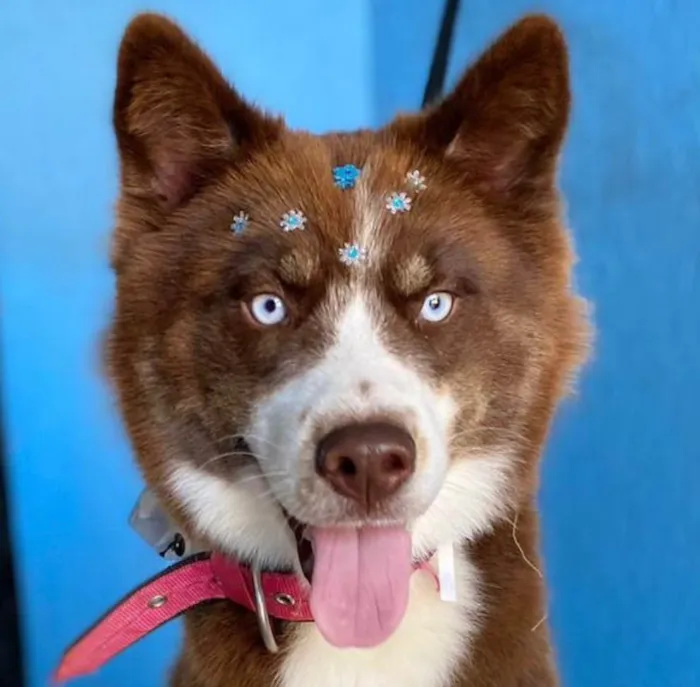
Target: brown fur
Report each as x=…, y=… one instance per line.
x=188, y=362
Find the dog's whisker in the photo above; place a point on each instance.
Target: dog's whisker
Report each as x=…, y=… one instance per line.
x=514, y=522
x=543, y=619
x=229, y=437
x=253, y=437
x=228, y=454
x=259, y=476
x=268, y=442
x=497, y=432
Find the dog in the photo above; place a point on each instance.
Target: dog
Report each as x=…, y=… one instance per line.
x=339, y=356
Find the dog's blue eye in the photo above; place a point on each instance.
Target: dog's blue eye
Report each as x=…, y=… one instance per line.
x=268, y=309
x=437, y=307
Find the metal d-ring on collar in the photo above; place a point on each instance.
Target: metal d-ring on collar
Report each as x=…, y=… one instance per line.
x=264, y=625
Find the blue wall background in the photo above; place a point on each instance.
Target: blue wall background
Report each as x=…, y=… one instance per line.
x=621, y=519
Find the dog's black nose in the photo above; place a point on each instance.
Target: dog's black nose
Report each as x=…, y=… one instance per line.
x=366, y=462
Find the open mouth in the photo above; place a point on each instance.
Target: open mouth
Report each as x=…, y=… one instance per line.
x=305, y=549
x=359, y=573
x=359, y=580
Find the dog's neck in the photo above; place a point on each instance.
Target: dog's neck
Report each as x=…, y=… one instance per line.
x=441, y=643
x=496, y=633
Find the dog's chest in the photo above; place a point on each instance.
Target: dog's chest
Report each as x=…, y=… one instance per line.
x=425, y=651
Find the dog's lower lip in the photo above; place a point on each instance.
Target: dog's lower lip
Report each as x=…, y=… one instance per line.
x=304, y=549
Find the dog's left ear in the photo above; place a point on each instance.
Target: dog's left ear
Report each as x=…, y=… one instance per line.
x=505, y=121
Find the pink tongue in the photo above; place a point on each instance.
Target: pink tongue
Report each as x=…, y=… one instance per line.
x=359, y=590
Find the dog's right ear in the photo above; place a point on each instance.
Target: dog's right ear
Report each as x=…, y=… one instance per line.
x=176, y=118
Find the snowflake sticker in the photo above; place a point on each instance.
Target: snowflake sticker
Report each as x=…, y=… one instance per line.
x=416, y=181
x=293, y=220
x=352, y=254
x=239, y=223
x=398, y=202
x=346, y=177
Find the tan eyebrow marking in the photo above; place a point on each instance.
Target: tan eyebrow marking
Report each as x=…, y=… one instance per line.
x=298, y=268
x=413, y=275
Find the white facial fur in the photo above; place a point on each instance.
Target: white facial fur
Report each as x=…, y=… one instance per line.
x=424, y=651
x=474, y=495
x=242, y=517
x=287, y=424
x=450, y=498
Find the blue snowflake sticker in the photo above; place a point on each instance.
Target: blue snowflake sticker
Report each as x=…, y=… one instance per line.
x=398, y=202
x=239, y=223
x=352, y=254
x=293, y=220
x=346, y=177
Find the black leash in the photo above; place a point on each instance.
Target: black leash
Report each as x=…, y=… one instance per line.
x=441, y=57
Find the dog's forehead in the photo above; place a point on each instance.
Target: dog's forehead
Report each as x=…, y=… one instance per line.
x=355, y=200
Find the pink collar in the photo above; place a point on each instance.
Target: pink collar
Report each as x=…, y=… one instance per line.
x=176, y=590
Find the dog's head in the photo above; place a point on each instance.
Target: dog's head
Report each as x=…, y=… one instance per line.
x=341, y=331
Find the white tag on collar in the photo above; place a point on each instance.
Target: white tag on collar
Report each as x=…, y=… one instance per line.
x=150, y=521
x=446, y=572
